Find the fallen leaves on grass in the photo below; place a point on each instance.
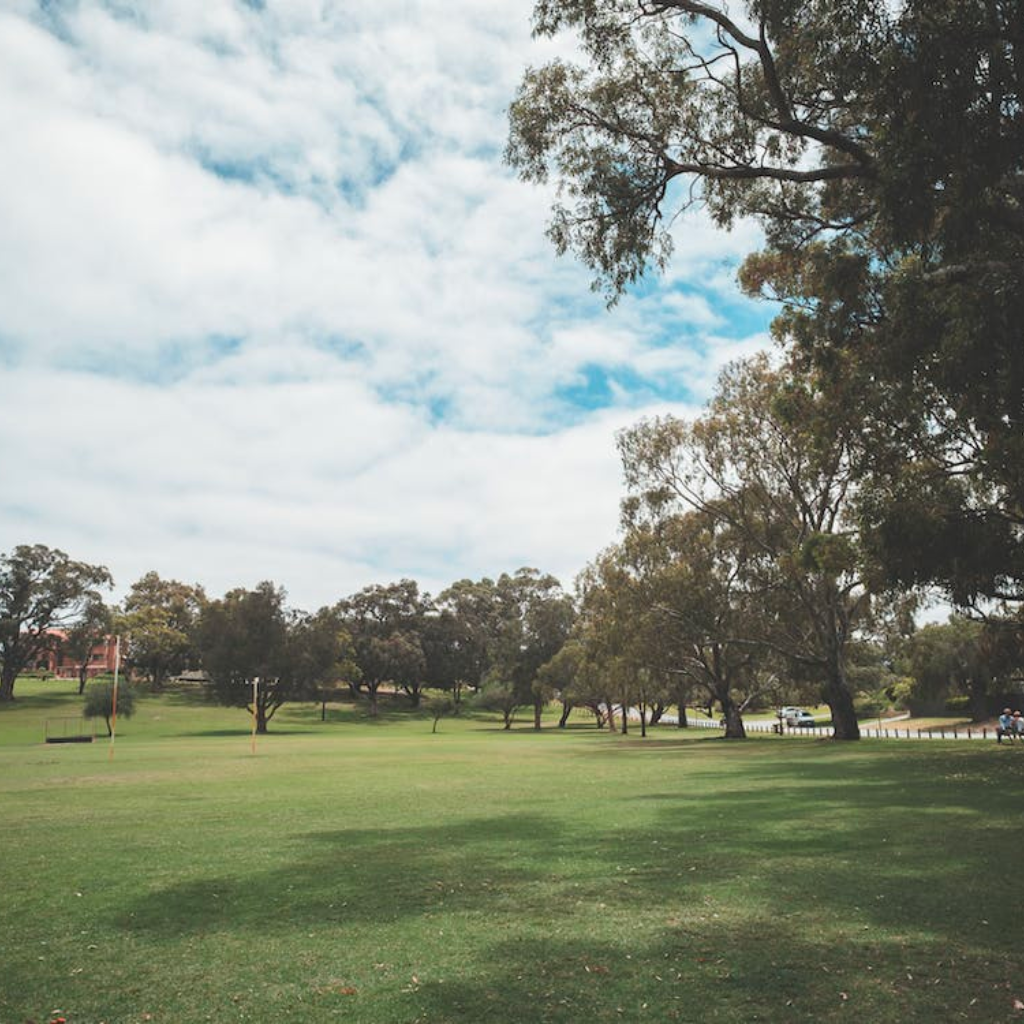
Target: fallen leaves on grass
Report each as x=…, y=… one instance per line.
x=336, y=988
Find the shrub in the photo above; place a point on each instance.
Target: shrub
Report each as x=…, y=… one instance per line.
x=99, y=702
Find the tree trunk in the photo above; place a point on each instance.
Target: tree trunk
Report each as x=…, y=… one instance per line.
x=508, y=712
x=261, y=720
x=538, y=707
x=323, y=710
x=372, y=688
x=734, y=729
x=840, y=702
x=643, y=720
x=106, y=718
x=7, y=684
x=610, y=715
x=656, y=712
x=436, y=720
x=625, y=718
x=682, y=722
x=83, y=676
x=566, y=711
x=978, y=690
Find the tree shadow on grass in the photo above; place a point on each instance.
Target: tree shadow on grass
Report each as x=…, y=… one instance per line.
x=794, y=835
x=764, y=969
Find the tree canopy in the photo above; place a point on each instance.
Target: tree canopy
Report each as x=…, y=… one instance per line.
x=41, y=590
x=159, y=621
x=250, y=635
x=881, y=148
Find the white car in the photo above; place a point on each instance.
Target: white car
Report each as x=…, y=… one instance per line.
x=800, y=718
x=786, y=712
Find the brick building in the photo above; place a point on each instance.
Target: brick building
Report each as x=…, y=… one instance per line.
x=102, y=658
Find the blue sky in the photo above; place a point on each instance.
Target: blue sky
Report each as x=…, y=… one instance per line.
x=274, y=308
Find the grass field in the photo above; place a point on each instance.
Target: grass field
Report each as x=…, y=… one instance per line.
x=372, y=872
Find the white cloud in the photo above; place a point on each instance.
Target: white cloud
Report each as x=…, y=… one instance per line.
x=273, y=306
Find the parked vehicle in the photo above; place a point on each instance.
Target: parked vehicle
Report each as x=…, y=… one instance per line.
x=800, y=719
x=786, y=712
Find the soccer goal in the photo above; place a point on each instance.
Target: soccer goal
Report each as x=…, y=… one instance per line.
x=69, y=730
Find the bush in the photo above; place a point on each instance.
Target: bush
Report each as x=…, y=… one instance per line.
x=441, y=706
x=872, y=705
x=99, y=702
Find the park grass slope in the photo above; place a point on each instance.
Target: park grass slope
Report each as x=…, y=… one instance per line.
x=373, y=872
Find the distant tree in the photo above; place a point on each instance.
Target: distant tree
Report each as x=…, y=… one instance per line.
x=567, y=677
x=249, y=635
x=772, y=464
x=386, y=624
x=93, y=627
x=441, y=706
x=159, y=622
x=965, y=656
x=535, y=620
x=41, y=590
x=500, y=695
x=459, y=637
x=99, y=702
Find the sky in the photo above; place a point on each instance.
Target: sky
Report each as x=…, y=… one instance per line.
x=272, y=306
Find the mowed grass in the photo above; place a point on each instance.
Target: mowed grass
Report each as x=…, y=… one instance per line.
x=372, y=872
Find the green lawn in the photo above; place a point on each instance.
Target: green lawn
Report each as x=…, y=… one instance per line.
x=373, y=872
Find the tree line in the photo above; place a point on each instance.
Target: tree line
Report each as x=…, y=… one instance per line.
x=481, y=636
x=727, y=600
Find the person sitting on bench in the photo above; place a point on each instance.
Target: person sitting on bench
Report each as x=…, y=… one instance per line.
x=1005, y=726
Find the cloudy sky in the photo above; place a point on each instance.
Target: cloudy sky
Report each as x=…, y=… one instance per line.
x=271, y=307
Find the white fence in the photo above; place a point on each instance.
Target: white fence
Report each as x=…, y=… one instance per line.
x=880, y=732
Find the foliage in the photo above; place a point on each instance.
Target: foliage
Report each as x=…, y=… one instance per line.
x=881, y=147
x=459, y=635
x=250, y=637
x=534, y=621
x=99, y=702
x=386, y=624
x=41, y=590
x=160, y=618
x=771, y=470
x=442, y=705
x=93, y=626
x=964, y=658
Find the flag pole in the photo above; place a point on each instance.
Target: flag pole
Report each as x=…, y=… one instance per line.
x=113, y=708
